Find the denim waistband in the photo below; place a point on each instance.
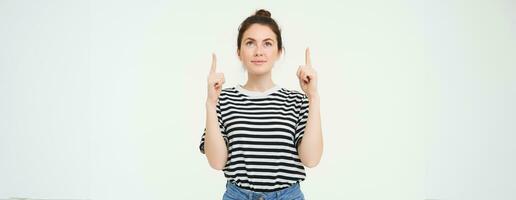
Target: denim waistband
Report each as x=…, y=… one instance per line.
x=293, y=191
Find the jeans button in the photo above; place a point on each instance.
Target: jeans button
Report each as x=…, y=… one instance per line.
x=261, y=198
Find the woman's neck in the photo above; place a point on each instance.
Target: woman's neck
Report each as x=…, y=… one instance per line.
x=259, y=83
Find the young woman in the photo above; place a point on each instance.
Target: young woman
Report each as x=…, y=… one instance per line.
x=260, y=134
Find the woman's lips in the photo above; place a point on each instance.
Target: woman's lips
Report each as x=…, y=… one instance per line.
x=258, y=62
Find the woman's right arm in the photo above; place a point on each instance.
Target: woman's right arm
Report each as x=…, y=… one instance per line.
x=214, y=145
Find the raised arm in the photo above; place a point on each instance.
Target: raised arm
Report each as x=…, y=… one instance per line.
x=311, y=147
x=214, y=145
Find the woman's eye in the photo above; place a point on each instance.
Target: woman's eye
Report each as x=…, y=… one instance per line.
x=268, y=44
x=249, y=43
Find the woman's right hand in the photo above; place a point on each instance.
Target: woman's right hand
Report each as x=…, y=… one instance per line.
x=215, y=81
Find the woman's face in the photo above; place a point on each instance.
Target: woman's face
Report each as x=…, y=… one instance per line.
x=259, y=49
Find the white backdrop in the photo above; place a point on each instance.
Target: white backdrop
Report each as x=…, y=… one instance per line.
x=105, y=99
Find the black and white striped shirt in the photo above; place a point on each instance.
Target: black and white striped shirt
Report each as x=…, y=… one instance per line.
x=262, y=131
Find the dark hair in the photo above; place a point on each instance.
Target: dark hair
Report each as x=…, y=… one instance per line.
x=262, y=17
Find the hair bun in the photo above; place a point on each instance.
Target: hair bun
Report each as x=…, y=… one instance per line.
x=262, y=13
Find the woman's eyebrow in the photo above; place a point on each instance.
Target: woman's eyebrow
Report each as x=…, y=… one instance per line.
x=252, y=39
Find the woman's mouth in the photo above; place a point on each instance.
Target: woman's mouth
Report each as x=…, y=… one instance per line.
x=258, y=62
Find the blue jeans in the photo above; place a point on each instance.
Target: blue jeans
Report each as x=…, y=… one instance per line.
x=233, y=192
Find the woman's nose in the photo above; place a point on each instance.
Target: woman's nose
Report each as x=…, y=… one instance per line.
x=258, y=51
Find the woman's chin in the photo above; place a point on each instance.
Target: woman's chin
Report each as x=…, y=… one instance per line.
x=258, y=69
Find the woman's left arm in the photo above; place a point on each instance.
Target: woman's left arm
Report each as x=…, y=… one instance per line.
x=311, y=146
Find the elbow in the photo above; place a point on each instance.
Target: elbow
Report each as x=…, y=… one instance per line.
x=217, y=166
x=217, y=160
x=311, y=163
x=311, y=159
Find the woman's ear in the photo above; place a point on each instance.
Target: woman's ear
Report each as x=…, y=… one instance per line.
x=238, y=54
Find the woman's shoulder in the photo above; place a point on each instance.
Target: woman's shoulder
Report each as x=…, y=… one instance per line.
x=283, y=91
x=292, y=93
x=228, y=91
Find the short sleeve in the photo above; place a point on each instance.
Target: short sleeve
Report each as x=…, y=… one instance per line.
x=301, y=121
x=221, y=127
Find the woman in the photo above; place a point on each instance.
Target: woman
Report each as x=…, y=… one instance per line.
x=260, y=134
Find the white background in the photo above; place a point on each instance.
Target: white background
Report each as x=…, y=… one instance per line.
x=105, y=99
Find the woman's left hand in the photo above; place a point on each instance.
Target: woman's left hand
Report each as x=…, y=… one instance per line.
x=307, y=76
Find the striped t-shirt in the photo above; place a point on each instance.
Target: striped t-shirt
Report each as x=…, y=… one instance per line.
x=262, y=131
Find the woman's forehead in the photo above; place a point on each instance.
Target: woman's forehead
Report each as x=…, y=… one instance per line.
x=259, y=32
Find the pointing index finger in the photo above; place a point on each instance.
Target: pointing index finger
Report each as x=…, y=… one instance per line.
x=308, y=60
x=213, y=63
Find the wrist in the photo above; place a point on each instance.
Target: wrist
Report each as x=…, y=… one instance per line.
x=314, y=96
x=210, y=104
